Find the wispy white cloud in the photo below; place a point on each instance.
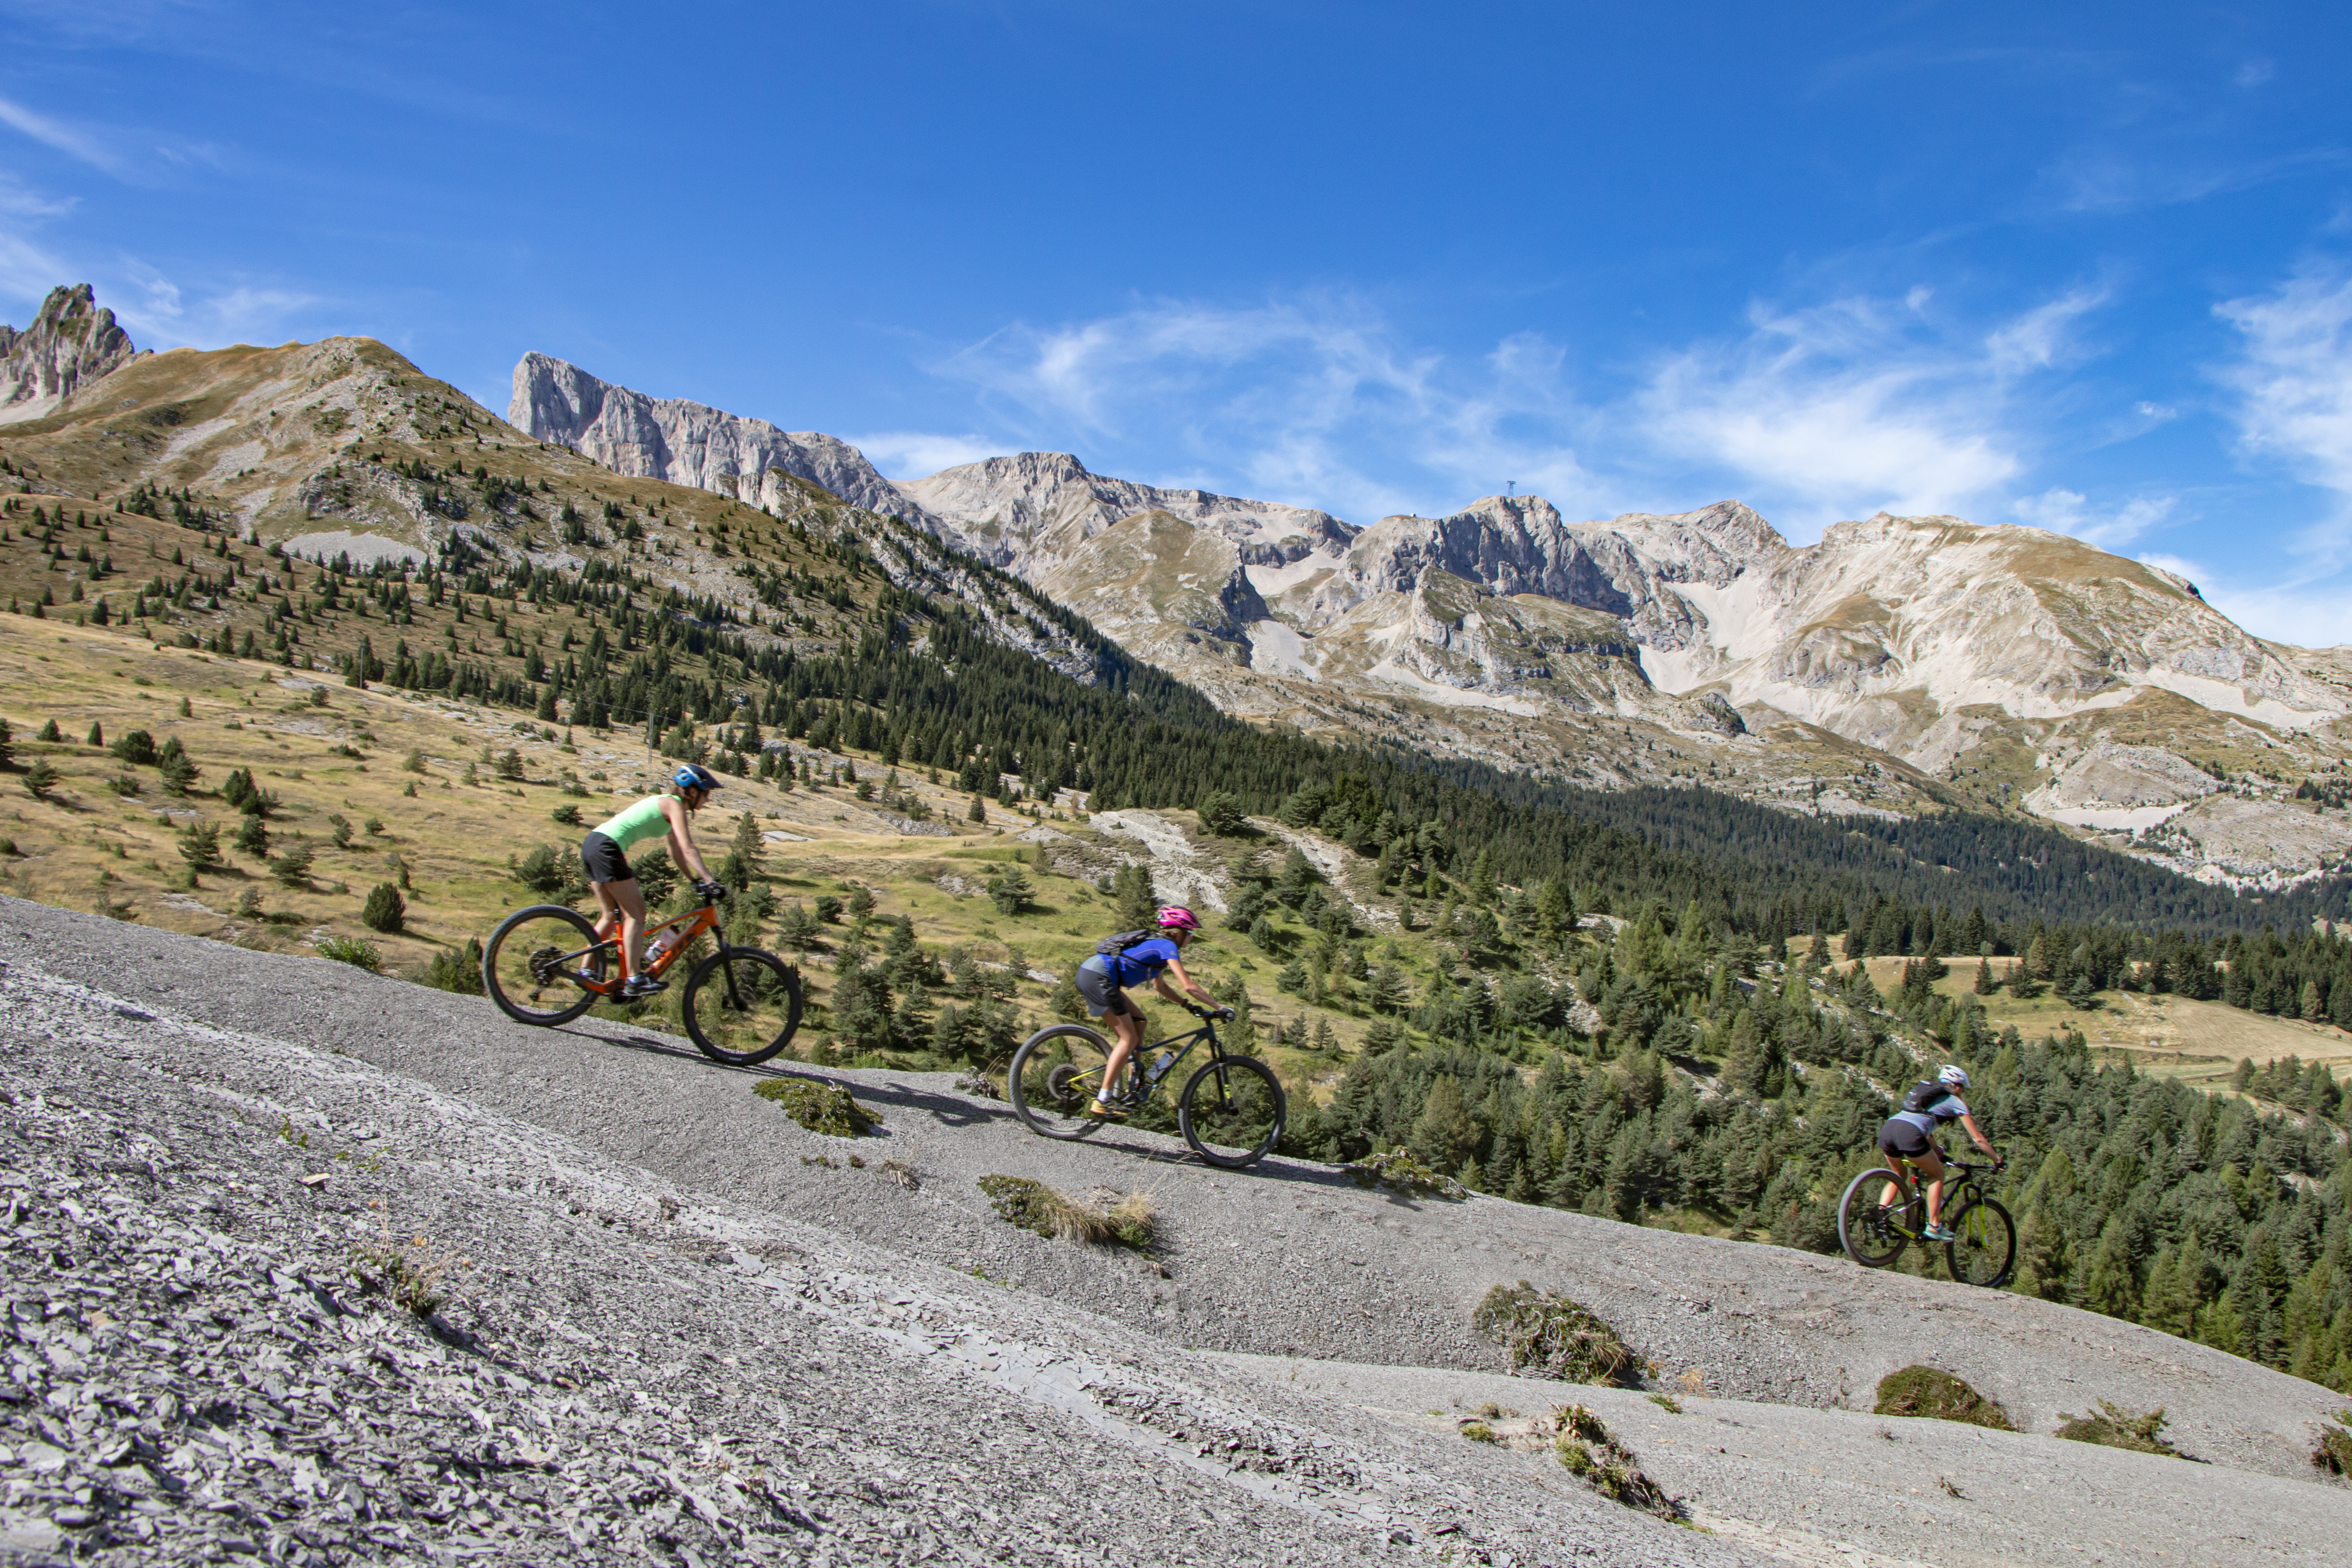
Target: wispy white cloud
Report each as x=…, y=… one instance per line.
x=2294, y=380
x=71, y=139
x=160, y=313
x=917, y=453
x=2063, y=510
x=1317, y=402
x=1842, y=409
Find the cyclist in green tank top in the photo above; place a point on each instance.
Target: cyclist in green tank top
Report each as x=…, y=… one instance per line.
x=604, y=852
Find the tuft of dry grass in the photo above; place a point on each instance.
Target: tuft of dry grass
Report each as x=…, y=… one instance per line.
x=1587, y=1450
x=1126, y=1221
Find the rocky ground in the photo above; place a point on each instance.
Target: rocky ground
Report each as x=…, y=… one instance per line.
x=674, y=1331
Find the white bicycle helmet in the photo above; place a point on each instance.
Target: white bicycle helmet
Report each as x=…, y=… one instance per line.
x=1955, y=1075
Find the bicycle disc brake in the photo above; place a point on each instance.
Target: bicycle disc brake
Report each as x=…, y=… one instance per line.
x=545, y=963
x=1059, y=1083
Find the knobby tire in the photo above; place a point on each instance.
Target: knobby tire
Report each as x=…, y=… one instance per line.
x=1050, y=1097
x=752, y=1011
x=506, y=976
x=1233, y=1112
x=1986, y=1252
x=1864, y=1227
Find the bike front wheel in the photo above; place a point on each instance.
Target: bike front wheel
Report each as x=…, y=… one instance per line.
x=536, y=963
x=1233, y=1112
x=1053, y=1080
x=1986, y=1252
x=742, y=1006
x=1866, y=1225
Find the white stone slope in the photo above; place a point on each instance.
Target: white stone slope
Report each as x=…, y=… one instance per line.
x=70, y=344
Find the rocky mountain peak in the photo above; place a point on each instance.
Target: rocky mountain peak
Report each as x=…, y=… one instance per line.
x=689, y=443
x=72, y=342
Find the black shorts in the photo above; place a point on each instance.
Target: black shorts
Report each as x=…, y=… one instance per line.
x=1103, y=999
x=604, y=861
x=1902, y=1140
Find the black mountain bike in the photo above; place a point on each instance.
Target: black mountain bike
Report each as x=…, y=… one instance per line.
x=544, y=965
x=1874, y=1232
x=1231, y=1111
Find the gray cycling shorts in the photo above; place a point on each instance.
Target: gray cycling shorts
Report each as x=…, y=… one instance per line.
x=1102, y=998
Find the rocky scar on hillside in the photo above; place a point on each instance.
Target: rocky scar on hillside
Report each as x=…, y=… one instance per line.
x=70, y=344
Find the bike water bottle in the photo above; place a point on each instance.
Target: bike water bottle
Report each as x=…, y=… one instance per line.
x=1161, y=1065
x=658, y=946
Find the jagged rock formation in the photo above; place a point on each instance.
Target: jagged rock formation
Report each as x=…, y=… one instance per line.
x=1031, y=511
x=72, y=342
x=687, y=443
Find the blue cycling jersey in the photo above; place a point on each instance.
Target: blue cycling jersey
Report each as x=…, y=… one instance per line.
x=1140, y=964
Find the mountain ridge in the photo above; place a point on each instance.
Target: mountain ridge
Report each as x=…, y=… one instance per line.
x=1893, y=665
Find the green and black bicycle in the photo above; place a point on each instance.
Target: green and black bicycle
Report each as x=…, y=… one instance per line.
x=1231, y=1111
x=1983, y=1250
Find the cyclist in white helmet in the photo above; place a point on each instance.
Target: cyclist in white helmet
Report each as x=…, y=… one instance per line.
x=1910, y=1134
x=603, y=852
x=1131, y=959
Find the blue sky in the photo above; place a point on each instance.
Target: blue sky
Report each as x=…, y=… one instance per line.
x=2091, y=271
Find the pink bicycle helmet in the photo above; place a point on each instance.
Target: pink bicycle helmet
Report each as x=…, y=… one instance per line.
x=1176, y=917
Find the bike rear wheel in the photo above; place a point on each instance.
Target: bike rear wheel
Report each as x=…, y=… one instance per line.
x=1986, y=1252
x=742, y=1006
x=533, y=965
x=1866, y=1225
x=1232, y=1112
x=1053, y=1080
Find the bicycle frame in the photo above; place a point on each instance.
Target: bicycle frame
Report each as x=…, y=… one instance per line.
x=1966, y=1193
x=691, y=924
x=1139, y=1064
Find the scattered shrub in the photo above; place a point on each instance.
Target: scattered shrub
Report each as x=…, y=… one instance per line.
x=457, y=969
x=39, y=779
x=292, y=866
x=544, y=870
x=1590, y=1454
x=1398, y=1171
x=2332, y=1452
x=568, y=816
x=1034, y=1205
x=1931, y=1392
x=352, y=950
x=1555, y=1336
x=48, y=731
x=2115, y=1427
x=385, y=909
x=200, y=846
x=413, y=1276
x=826, y=1107
x=1479, y=1432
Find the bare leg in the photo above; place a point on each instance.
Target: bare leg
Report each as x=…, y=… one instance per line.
x=1931, y=1165
x=608, y=916
x=626, y=901
x=1128, y=1028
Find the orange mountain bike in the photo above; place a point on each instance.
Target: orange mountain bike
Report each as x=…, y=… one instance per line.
x=545, y=965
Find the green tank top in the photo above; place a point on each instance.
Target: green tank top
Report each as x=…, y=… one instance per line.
x=640, y=822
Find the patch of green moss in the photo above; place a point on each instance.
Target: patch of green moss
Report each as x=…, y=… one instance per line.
x=2113, y=1426
x=1399, y=1171
x=1931, y=1392
x=826, y=1107
x=1584, y=1447
x=1555, y=1336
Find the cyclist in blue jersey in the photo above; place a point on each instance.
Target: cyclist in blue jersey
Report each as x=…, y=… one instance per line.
x=1102, y=981
x=1910, y=1134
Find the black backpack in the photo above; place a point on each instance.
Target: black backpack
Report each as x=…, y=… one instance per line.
x=1112, y=946
x=1926, y=1095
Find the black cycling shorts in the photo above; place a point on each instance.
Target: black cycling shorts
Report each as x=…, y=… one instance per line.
x=604, y=861
x=1103, y=999
x=1903, y=1139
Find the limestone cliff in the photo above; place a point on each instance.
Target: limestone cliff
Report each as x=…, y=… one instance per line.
x=72, y=342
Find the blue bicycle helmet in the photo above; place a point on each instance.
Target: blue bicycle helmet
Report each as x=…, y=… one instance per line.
x=694, y=775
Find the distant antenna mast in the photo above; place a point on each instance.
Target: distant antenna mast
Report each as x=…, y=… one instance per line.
x=1510, y=487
